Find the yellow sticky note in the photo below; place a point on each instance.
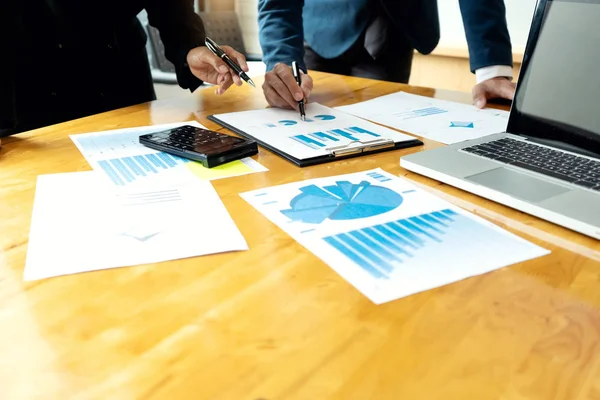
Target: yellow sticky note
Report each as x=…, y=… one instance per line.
x=233, y=168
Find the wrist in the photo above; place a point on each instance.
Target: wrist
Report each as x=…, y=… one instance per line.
x=494, y=71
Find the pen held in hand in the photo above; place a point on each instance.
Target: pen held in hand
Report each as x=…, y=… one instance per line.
x=296, y=72
x=219, y=52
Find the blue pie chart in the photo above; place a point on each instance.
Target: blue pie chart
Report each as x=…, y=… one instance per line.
x=342, y=201
x=325, y=117
x=287, y=122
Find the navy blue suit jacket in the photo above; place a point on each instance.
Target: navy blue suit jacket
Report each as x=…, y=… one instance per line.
x=330, y=27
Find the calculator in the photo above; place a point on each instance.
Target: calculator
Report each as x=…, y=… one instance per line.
x=208, y=147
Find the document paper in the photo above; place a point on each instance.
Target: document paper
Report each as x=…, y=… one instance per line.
x=324, y=128
x=386, y=236
x=120, y=158
x=440, y=120
x=79, y=224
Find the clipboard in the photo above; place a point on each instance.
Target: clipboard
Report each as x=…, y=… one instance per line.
x=352, y=149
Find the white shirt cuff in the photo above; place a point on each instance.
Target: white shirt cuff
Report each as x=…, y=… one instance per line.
x=493, y=71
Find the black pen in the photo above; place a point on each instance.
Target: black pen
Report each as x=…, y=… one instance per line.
x=296, y=71
x=218, y=51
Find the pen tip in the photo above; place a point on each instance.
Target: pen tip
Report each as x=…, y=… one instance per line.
x=303, y=118
x=252, y=83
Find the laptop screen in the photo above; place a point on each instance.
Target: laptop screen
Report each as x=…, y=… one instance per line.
x=558, y=94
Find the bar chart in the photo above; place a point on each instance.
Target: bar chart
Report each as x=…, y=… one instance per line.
x=125, y=170
x=323, y=139
x=420, y=241
x=419, y=113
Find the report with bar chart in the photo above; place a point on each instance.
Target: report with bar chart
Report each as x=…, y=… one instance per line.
x=120, y=157
x=323, y=130
x=440, y=120
x=386, y=236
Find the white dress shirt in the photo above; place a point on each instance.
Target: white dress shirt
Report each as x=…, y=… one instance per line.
x=493, y=71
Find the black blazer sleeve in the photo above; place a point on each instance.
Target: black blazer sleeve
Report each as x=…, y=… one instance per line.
x=487, y=33
x=181, y=29
x=10, y=16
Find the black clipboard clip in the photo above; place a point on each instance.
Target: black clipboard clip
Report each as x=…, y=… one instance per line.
x=360, y=146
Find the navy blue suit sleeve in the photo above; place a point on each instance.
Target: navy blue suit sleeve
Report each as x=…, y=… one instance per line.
x=280, y=32
x=487, y=33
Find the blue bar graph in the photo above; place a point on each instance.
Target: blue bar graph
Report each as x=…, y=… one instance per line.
x=343, y=133
x=112, y=174
x=133, y=166
x=144, y=163
x=167, y=159
x=423, y=112
x=379, y=177
x=321, y=135
x=380, y=249
x=318, y=140
x=307, y=141
x=356, y=129
x=125, y=170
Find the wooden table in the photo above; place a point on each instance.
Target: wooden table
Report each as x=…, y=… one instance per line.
x=275, y=322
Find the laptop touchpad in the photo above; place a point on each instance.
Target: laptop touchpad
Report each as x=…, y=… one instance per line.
x=517, y=185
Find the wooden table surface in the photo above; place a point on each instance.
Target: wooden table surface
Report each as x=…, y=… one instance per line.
x=275, y=322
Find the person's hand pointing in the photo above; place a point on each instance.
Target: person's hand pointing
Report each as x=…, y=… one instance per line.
x=211, y=69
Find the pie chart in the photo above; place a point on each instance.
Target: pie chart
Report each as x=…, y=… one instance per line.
x=325, y=117
x=287, y=122
x=342, y=201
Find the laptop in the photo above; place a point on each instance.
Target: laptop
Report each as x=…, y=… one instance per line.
x=547, y=163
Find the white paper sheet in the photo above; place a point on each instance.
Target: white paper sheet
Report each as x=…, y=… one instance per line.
x=324, y=128
x=121, y=159
x=79, y=224
x=440, y=120
x=386, y=236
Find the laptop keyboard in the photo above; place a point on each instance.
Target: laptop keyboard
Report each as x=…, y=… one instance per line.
x=567, y=167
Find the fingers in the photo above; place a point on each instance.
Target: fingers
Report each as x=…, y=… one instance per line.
x=210, y=68
x=199, y=56
x=286, y=76
x=493, y=89
x=276, y=92
x=306, y=84
x=281, y=88
x=507, y=90
x=479, y=96
x=274, y=99
x=224, y=81
x=236, y=79
x=237, y=57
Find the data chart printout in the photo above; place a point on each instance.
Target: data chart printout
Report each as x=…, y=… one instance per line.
x=386, y=236
x=325, y=132
x=82, y=223
x=440, y=120
x=120, y=158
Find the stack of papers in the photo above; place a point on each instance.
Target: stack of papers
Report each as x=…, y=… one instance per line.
x=440, y=120
x=138, y=206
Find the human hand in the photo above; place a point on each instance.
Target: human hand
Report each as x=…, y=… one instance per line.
x=494, y=88
x=209, y=68
x=281, y=89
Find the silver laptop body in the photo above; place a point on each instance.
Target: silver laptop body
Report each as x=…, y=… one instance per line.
x=548, y=164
